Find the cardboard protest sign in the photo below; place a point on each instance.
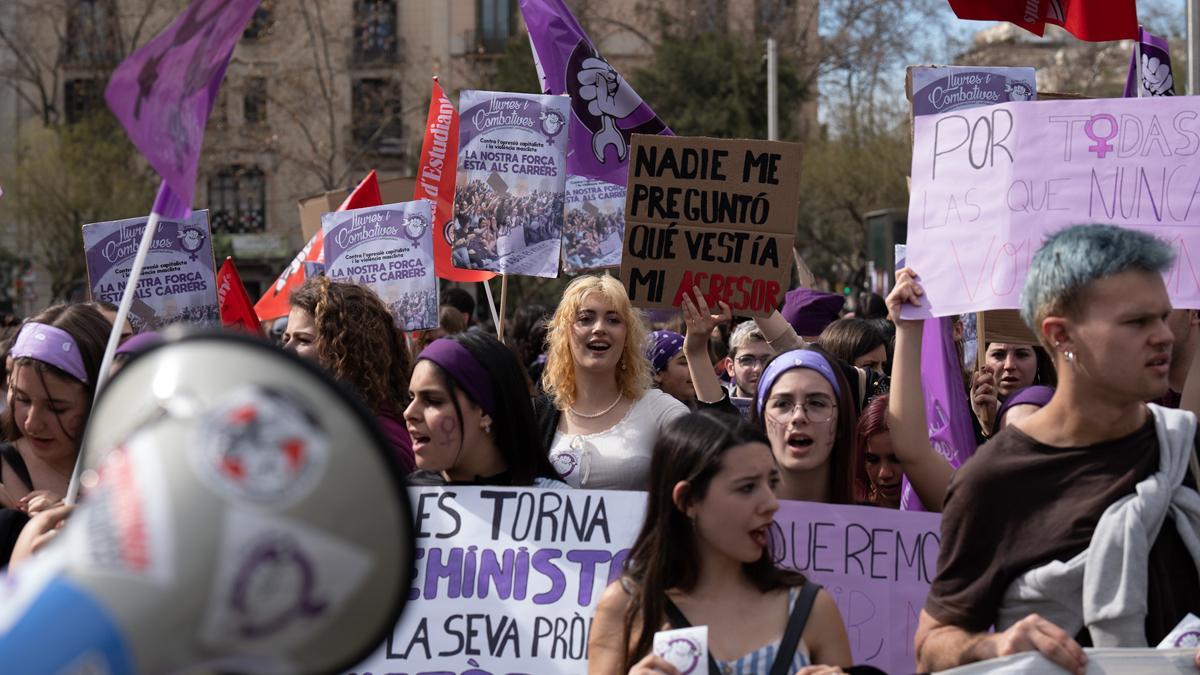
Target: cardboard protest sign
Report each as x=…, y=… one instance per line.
x=390, y=249
x=714, y=213
x=508, y=201
x=939, y=89
x=179, y=280
x=594, y=225
x=508, y=578
x=990, y=183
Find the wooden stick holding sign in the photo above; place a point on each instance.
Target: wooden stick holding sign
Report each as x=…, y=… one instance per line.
x=718, y=214
x=503, y=305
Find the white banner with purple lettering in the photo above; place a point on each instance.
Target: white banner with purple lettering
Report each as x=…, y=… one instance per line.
x=178, y=282
x=508, y=578
x=988, y=184
x=508, y=199
x=390, y=249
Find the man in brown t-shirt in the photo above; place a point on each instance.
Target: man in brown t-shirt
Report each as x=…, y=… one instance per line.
x=1035, y=493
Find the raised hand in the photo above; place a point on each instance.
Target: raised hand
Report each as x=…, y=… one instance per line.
x=907, y=291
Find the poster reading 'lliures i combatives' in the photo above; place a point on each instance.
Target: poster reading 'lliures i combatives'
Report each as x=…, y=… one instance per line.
x=508, y=203
x=178, y=282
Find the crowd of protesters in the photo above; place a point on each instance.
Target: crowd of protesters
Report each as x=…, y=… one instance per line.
x=585, y=235
x=1075, y=523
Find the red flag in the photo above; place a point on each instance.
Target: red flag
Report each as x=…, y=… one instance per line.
x=233, y=302
x=276, y=301
x=435, y=182
x=1091, y=20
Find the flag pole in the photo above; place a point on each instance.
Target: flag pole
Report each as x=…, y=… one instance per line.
x=114, y=337
x=772, y=92
x=1137, y=61
x=487, y=288
x=503, y=303
x=1193, y=16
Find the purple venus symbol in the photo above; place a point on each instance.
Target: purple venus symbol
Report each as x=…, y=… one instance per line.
x=1102, y=145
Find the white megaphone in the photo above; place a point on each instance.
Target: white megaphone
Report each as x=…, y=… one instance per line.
x=242, y=514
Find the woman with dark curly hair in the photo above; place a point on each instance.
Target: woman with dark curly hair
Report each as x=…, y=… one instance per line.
x=348, y=330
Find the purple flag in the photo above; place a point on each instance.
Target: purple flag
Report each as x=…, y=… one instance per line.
x=946, y=409
x=605, y=109
x=163, y=93
x=1156, y=67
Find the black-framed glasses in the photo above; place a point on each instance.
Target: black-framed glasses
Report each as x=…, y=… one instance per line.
x=817, y=409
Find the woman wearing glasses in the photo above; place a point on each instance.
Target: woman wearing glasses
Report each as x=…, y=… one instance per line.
x=804, y=405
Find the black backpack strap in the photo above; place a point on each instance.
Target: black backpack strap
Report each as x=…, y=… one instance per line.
x=13, y=458
x=795, y=628
x=678, y=620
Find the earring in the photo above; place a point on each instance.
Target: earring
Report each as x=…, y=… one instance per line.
x=487, y=428
x=1070, y=355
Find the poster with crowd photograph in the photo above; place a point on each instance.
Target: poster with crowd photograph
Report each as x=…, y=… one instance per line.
x=390, y=249
x=508, y=578
x=178, y=282
x=594, y=225
x=508, y=201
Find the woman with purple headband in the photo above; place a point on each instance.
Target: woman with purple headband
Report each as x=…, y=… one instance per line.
x=471, y=419
x=56, y=358
x=804, y=405
x=669, y=366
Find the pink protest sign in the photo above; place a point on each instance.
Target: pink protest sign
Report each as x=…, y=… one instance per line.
x=988, y=185
x=876, y=563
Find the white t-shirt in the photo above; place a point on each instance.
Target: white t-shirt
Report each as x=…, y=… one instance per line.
x=619, y=458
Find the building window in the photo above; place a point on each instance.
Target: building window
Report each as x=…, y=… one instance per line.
x=374, y=31
x=254, y=103
x=377, y=123
x=90, y=39
x=496, y=22
x=237, y=200
x=82, y=96
x=261, y=22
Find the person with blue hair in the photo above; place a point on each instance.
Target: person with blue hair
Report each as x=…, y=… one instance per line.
x=1079, y=524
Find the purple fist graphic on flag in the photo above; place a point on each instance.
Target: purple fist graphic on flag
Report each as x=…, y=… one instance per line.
x=1156, y=75
x=609, y=98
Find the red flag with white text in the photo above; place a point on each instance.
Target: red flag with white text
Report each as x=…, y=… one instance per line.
x=276, y=301
x=233, y=301
x=435, y=182
x=1091, y=20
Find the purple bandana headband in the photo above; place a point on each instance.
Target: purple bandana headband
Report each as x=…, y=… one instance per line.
x=796, y=358
x=664, y=345
x=464, y=369
x=51, y=345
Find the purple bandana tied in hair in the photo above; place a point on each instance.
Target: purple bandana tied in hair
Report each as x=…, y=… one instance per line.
x=51, y=345
x=664, y=345
x=464, y=369
x=796, y=358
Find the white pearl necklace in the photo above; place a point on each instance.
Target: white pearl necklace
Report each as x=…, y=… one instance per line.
x=602, y=413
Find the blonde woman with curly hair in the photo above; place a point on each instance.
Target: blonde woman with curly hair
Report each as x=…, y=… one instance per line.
x=600, y=418
x=347, y=329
